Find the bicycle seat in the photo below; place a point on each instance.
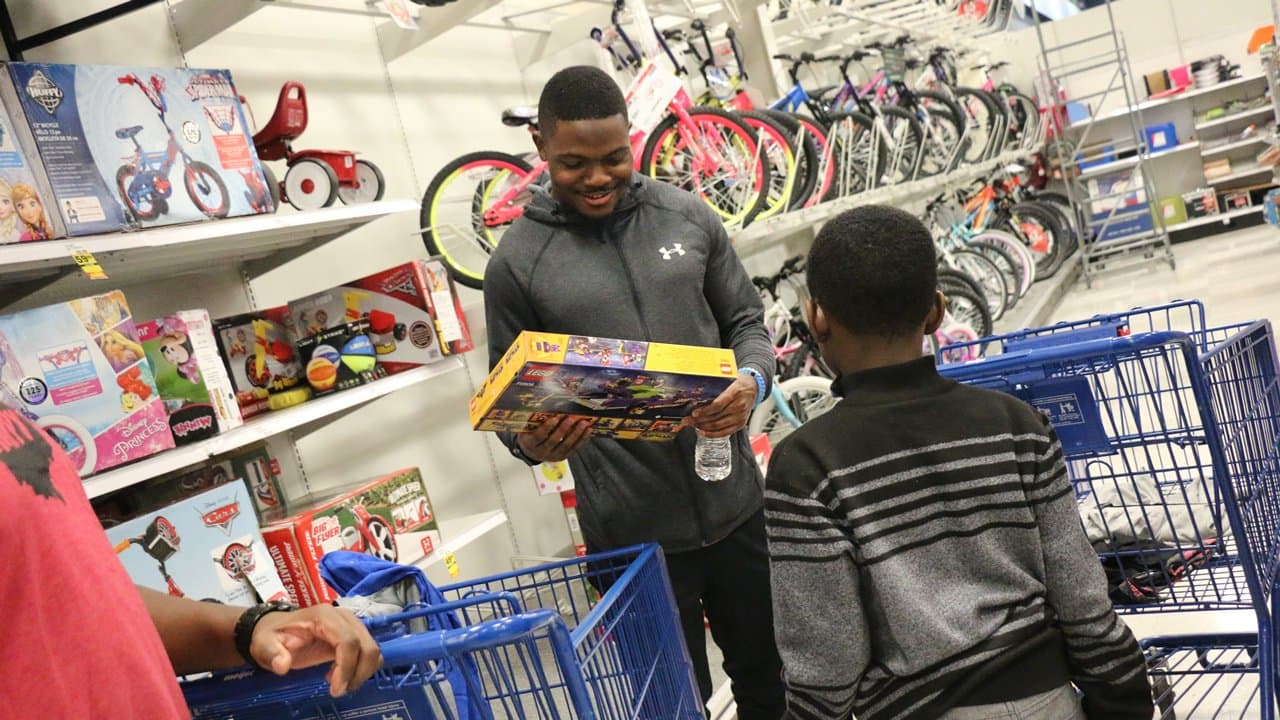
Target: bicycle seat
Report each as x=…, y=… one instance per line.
x=128, y=132
x=519, y=116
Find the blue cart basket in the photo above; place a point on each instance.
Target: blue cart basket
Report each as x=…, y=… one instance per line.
x=535, y=643
x=1171, y=432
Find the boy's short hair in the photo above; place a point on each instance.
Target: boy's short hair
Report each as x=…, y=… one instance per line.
x=580, y=92
x=874, y=270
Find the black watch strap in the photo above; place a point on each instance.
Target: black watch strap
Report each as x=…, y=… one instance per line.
x=249, y=620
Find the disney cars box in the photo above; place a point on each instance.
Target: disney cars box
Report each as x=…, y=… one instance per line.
x=630, y=390
x=389, y=517
x=130, y=147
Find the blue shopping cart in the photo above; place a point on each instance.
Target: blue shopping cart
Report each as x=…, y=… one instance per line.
x=1171, y=432
x=536, y=643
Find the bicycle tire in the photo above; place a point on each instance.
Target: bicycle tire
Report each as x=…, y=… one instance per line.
x=995, y=288
x=826, y=169
x=744, y=200
x=980, y=115
x=1013, y=246
x=903, y=160
x=1039, y=229
x=952, y=278
x=1010, y=268
x=808, y=156
x=941, y=139
x=1003, y=121
x=967, y=307
x=854, y=152
x=815, y=398
x=781, y=149
x=1025, y=113
x=466, y=264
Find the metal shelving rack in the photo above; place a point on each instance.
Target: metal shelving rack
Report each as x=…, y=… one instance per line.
x=1106, y=51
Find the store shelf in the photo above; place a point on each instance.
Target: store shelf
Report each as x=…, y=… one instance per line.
x=1220, y=149
x=263, y=427
x=1149, y=104
x=1242, y=115
x=1132, y=161
x=176, y=249
x=461, y=532
x=1223, y=218
x=1248, y=171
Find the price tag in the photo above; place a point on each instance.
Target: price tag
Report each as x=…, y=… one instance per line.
x=451, y=564
x=649, y=95
x=88, y=263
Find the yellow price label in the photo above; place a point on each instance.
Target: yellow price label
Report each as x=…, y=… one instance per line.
x=451, y=564
x=88, y=264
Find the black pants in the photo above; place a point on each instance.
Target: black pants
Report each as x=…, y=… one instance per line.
x=729, y=581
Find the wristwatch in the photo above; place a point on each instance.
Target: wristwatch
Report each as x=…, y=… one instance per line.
x=249, y=620
x=760, y=384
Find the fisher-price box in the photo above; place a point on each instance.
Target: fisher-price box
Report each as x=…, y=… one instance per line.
x=193, y=383
x=258, y=352
x=24, y=188
x=389, y=517
x=206, y=547
x=129, y=147
x=78, y=370
x=629, y=390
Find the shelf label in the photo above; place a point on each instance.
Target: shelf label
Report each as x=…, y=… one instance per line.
x=451, y=564
x=87, y=263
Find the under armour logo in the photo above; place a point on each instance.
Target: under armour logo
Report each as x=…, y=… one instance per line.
x=676, y=249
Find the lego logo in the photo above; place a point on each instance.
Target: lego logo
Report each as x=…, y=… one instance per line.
x=726, y=368
x=546, y=347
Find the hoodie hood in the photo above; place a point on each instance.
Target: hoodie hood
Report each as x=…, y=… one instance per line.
x=547, y=210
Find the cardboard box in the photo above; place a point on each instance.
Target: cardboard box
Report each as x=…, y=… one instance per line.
x=1236, y=200
x=1161, y=136
x=1201, y=202
x=1173, y=210
x=1217, y=169
x=630, y=390
x=1122, y=190
x=206, y=547
x=413, y=311
x=340, y=358
x=389, y=517
x=128, y=147
x=190, y=376
x=26, y=198
x=258, y=352
x=78, y=370
x=762, y=448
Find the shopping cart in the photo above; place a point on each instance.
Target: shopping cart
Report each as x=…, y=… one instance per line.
x=1171, y=431
x=535, y=643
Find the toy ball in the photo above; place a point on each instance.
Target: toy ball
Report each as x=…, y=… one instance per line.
x=327, y=353
x=358, y=345
x=359, y=355
x=321, y=373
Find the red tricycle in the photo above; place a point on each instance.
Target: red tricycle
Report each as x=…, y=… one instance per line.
x=314, y=177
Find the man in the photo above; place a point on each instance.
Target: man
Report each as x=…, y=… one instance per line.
x=82, y=642
x=609, y=253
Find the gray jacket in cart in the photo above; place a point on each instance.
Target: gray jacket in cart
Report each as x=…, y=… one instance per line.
x=660, y=268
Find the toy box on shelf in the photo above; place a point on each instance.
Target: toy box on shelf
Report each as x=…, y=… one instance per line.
x=630, y=390
x=261, y=359
x=340, y=358
x=389, y=517
x=128, y=147
x=78, y=370
x=206, y=547
x=192, y=380
x=24, y=187
x=552, y=477
x=413, y=310
x=1201, y=202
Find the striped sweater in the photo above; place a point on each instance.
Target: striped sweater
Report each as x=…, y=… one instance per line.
x=924, y=536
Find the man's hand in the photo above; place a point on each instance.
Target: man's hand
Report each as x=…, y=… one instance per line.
x=728, y=413
x=284, y=641
x=555, y=439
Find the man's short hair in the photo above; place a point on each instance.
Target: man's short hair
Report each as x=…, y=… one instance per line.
x=874, y=270
x=580, y=92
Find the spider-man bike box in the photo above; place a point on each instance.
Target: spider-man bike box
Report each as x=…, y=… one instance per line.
x=127, y=147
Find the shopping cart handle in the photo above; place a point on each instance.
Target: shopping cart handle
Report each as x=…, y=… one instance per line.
x=419, y=647
x=1019, y=359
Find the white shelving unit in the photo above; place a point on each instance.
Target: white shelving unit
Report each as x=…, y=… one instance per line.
x=1129, y=162
x=1245, y=172
x=1187, y=95
x=1224, y=218
x=460, y=532
x=1235, y=117
x=1222, y=149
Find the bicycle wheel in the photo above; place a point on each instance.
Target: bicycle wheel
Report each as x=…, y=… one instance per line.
x=716, y=156
x=1013, y=247
x=1009, y=268
x=855, y=153
x=776, y=143
x=1024, y=116
x=988, y=275
x=969, y=308
x=808, y=156
x=205, y=188
x=807, y=397
x=905, y=145
x=467, y=208
x=941, y=140
x=1038, y=228
x=823, y=189
x=981, y=121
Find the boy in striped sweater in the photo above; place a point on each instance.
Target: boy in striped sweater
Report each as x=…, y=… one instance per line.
x=927, y=556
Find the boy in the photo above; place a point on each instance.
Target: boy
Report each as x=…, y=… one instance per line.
x=927, y=555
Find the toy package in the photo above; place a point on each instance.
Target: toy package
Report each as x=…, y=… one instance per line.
x=261, y=359
x=205, y=547
x=340, y=358
x=129, y=147
x=413, y=312
x=193, y=383
x=630, y=390
x=389, y=517
x=552, y=478
x=24, y=187
x=78, y=370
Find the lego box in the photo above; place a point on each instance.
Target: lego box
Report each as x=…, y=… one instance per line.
x=78, y=370
x=631, y=390
x=389, y=517
x=205, y=547
x=129, y=147
x=193, y=383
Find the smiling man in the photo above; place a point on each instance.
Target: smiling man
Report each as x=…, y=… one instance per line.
x=609, y=253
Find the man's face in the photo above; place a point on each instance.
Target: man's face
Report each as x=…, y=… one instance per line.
x=589, y=162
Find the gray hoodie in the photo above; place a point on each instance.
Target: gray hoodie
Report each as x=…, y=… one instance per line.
x=660, y=268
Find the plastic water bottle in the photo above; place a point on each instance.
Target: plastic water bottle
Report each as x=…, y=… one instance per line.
x=713, y=458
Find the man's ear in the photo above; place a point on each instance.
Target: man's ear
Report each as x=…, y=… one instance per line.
x=937, y=312
x=539, y=141
x=816, y=318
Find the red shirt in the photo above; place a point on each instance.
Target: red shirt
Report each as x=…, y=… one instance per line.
x=78, y=642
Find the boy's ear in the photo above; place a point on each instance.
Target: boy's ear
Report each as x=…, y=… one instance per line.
x=933, y=320
x=816, y=318
x=538, y=141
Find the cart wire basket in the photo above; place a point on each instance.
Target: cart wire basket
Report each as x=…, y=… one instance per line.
x=1171, y=431
x=542, y=642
